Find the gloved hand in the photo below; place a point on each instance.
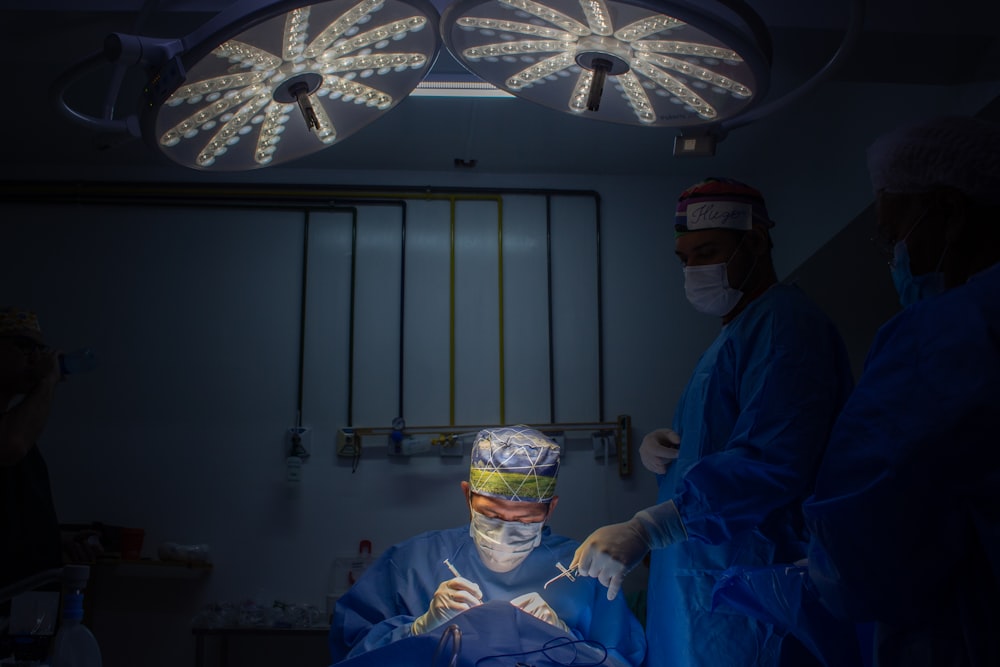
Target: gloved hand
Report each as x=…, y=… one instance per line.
x=450, y=599
x=612, y=551
x=539, y=608
x=659, y=449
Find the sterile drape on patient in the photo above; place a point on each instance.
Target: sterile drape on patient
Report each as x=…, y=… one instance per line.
x=380, y=608
x=491, y=629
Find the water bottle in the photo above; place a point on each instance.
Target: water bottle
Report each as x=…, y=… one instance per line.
x=78, y=361
x=74, y=645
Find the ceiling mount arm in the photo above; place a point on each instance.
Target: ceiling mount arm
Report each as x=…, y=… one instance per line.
x=123, y=51
x=128, y=125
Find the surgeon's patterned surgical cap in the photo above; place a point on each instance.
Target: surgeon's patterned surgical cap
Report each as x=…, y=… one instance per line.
x=720, y=203
x=19, y=322
x=514, y=463
x=951, y=151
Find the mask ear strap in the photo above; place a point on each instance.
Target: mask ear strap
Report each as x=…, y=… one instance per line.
x=749, y=271
x=947, y=244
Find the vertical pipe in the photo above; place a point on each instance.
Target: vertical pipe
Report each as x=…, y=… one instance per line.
x=600, y=313
x=503, y=408
x=548, y=275
x=402, y=304
x=302, y=319
x=451, y=319
x=402, y=291
x=350, y=344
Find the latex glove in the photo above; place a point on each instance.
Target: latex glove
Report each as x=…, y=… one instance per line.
x=659, y=449
x=450, y=599
x=612, y=551
x=539, y=608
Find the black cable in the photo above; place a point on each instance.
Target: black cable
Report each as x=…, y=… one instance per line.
x=556, y=642
x=454, y=633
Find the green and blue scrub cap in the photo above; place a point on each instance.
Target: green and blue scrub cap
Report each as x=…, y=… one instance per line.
x=515, y=463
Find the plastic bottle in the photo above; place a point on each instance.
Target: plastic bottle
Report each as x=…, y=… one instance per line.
x=74, y=645
x=78, y=361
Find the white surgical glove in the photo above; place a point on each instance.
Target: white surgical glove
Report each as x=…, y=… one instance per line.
x=539, y=608
x=612, y=551
x=659, y=449
x=450, y=599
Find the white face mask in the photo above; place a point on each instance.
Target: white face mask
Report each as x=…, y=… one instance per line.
x=707, y=286
x=503, y=545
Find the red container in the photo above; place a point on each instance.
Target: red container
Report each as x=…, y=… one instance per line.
x=132, y=543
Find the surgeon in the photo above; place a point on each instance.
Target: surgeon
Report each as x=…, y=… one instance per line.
x=506, y=553
x=906, y=511
x=747, y=437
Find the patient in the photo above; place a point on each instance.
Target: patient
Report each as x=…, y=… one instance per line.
x=506, y=553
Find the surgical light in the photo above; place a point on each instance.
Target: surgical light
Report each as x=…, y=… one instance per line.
x=268, y=82
x=651, y=64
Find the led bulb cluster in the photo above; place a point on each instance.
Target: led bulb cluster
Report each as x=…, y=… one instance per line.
x=514, y=27
x=664, y=69
x=516, y=48
x=357, y=14
x=537, y=73
x=322, y=58
x=693, y=71
x=550, y=15
x=637, y=98
x=394, y=31
x=598, y=17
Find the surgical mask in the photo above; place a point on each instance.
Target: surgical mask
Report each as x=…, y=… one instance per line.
x=913, y=288
x=707, y=287
x=503, y=545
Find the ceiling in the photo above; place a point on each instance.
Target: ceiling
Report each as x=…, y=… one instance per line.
x=903, y=41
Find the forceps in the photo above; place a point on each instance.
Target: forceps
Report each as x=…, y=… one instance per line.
x=563, y=572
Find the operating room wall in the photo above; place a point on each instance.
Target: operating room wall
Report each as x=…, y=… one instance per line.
x=195, y=314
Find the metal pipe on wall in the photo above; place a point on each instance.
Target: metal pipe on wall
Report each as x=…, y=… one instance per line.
x=321, y=198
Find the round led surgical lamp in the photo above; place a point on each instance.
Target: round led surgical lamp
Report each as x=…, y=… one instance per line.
x=645, y=63
x=266, y=82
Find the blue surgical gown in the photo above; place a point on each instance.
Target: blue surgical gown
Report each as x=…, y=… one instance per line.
x=753, y=421
x=397, y=588
x=906, y=511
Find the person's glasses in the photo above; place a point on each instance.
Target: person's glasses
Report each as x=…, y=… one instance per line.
x=885, y=239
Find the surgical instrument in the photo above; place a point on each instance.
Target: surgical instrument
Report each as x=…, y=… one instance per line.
x=451, y=567
x=563, y=572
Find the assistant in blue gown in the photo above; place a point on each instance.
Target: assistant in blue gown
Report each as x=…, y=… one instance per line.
x=753, y=422
x=382, y=605
x=906, y=513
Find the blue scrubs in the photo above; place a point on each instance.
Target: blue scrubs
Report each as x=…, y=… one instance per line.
x=906, y=512
x=380, y=607
x=753, y=421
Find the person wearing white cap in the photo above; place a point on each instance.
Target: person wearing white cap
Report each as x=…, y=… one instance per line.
x=747, y=436
x=505, y=554
x=906, y=512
